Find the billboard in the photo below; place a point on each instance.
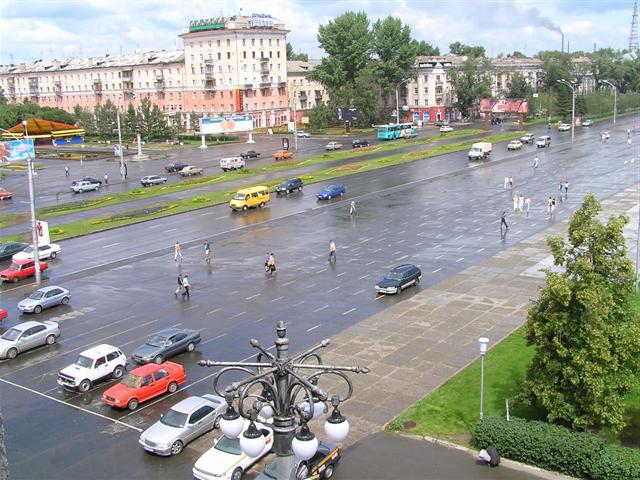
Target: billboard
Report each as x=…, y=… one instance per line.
x=42, y=230
x=232, y=123
x=504, y=105
x=347, y=114
x=16, y=150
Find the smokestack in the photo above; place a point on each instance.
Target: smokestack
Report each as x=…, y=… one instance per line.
x=562, y=41
x=568, y=46
x=594, y=47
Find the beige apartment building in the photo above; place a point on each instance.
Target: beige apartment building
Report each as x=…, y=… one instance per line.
x=304, y=94
x=227, y=65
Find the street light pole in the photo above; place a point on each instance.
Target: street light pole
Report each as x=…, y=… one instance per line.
x=286, y=389
x=573, y=106
x=123, y=169
x=32, y=208
x=398, y=99
x=615, y=100
x=483, y=350
x=295, y=118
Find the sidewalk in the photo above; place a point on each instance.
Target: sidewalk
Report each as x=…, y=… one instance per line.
x=418, y=344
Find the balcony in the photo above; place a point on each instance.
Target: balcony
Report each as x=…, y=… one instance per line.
x=159, y=84
x=303, y=96
x=57, y=88
x=127, y=74
x=209, y=84
x=97, y=87
x=127, y=88
x=265, y=85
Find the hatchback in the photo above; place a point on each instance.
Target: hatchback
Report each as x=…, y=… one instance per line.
x=45, y=297
x=399, y=278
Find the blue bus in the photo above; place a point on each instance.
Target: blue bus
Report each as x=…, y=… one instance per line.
x=396, y=130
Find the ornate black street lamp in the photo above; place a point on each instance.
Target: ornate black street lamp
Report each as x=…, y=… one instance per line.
x=287, y=390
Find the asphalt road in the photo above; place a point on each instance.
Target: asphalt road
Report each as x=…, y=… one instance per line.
x=441, y=214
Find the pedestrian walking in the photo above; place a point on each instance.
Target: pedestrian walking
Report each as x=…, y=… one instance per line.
x=566, y=188
x=186, y=286
x=511, y=183
x=352, y=207
x=503, y=221
x=561, y=186
x=66, y=171
x=520, y=202
x=515, y=203
x=549, y=206
x=332, y=251
x=527, y=205
x=553, y=206
x=106, y=179
x=177, y=252
x=180, y=287
x=535, y=162
x=506, y=183
x=207, y=252
x=628, y=134
x=271, y=264
x=629, y=140
x=266, y=262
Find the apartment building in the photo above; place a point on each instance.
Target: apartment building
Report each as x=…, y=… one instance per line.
x=304, y=94
x=227, y=65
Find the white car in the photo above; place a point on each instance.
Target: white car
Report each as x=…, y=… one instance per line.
x=85, y=186
x=446, y=128
x=91, y=366
x=226, y=460
x=302, y=134
x=44, y=251
x=514, y=145
x=563, y=127
x=587, y=123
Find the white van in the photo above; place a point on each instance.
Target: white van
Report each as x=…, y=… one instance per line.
x=543, y=141
x=231, y=163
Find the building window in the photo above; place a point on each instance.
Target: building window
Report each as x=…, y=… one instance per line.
x=278, y=54
x=253, y=41
x=261, y=42
x=218, y=43
x=228, y=55
x=244, y=42
x=253, y=55
x=219, y=56
x=244, y=54
x=270, y=54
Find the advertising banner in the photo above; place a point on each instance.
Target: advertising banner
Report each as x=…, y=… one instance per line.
x=230, y=124
x=16, y=150
x=42, y=229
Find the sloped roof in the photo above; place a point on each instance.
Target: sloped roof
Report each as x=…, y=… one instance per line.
x=39, y=128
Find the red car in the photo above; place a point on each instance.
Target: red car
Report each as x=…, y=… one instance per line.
x=20, y=269
x=5, y=194
x=3, y=314
x=145, y=383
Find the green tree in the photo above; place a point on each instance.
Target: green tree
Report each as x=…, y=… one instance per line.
x=424, y=49
x=320, y=117
x=366, y=100
x=85, y=119
x=471, y=83
x=516, y=54
x=56, y=115
x=394, y=53
x=519, y=87
x=584, y=327
x=158, y=127
x=564, y=103
x=555, y=66
x=105, y=116
x=461, y=49
x=291, y=55
x=130, y=122
x=194, y=122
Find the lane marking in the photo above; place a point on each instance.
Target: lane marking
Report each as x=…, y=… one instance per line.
x=458, y=237
x=170, y=230
x=220, y=218
x=213, y=311
x=403, y=257
x=437, y=270
x=349, y=311
x=237, y=315
x=289, y=283
x=480, y=250
x=323, y=270
x=333, y=289
x=439, y=256
x=111, y=245
x=372, y=261
x=252, y=296
x=192, y=306
x=438, y=246
x=340, y=274
x=365, y=276
x=359, y=292
x=276, y=299
x=158, y=225
x=319, y=309
x=206, y=213
x=313, y=328
x=72, y=406
x=460, y=259
x=214, y=338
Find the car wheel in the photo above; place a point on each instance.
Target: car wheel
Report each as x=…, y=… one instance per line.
x=117, y=372
x=329, y=197
x=84, y=386
x=15, y=280
x=299, y=189
x=244, y=208
x=37, y=309
x=65, y=301
x=237, y=474
x=288, y=191
x=341, y=193
x=133, y=404
x=53, y=255
x=191, y=347
x=173, y=387
x=328, y=472
x=158, y=360
x=261, y=204
x=51, y=339
x=177, y=447
x=417, y=280
x=12, y=353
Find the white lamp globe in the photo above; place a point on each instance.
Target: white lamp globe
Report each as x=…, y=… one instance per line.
x=304, y=444
x=231, y=423
x=266, y=412
x=252, y=442
x=337, y=432
x=318, y=408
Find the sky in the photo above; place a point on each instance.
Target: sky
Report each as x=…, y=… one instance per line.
x=47, y=29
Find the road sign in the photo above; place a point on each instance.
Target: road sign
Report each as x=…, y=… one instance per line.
x=285, y=143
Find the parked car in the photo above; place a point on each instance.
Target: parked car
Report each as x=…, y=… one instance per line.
x=333, y=146
x=152, y=180
x=282, y=154
x=543, y=141
x=45, y=297
x=399, y=278
x=175, y=167
x=165, y=344
x=231, y=163
x=587, y=123
x=8, y=249
x=359, y=143
x=183, y=423
x=85, y=186
x=289, y=186
x=44, y=252
x=5, y=194
x=250, y=154
x=145, y=383
x=446, y=129
x=528, y=138
x=439, y=123
x=87, y=179
x=226, y=460
x=21, y=269
x=514, y=145
x=190, y=170
x=92, y=366
x=321, y=465
x=564, y=127
x=3, y=314
x=302, y=134
x=26, y=336
x=330, y=191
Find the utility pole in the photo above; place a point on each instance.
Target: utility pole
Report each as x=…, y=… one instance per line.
x=32, y=207
x=615, y=100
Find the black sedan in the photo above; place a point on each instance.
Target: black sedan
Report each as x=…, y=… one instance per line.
x=87, y=179
x=167, y=343
x=7, y=249
x=250, y=154
x=399, y=278
x=359, y=143
x=175, y=167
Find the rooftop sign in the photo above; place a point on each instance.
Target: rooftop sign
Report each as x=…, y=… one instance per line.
x=206, y=24
x=261, y=20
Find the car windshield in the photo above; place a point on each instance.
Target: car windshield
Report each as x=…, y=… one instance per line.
x=174, y=419
x=156, y=341
x=393, y=276
x=239, y=196
x=229, y=445
x=83, y=361
x=29, y=249
x=132, y=381
x=37, y=295
x=14, y=266
x=11, y=334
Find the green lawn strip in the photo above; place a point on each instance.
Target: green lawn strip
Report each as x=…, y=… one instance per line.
x=22, y=166
x=13, y=218
x=84, y=227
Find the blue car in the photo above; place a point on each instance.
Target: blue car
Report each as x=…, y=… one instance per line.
x=330, y=191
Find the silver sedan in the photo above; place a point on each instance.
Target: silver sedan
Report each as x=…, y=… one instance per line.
x=26, y=336
x=184, y=422
x=45, y=298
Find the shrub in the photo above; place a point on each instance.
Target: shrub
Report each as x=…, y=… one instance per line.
x=553, y=447
x=56, y=231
